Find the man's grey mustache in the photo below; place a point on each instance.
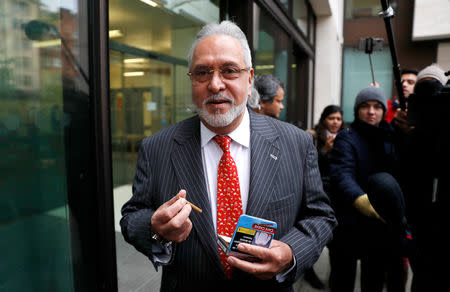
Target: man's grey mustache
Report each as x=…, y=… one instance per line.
x=218, y=97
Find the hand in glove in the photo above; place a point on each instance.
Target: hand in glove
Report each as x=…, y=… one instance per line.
x=363, y=205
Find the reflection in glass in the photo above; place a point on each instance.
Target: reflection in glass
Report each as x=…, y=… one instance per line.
x=44, y=100
x=300, y=13
x=271, y=50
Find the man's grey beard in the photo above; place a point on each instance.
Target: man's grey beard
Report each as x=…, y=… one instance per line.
x=217, y=120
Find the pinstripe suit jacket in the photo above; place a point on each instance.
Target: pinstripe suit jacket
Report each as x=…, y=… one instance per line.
x=285, y=187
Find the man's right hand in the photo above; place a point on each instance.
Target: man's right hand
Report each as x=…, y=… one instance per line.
x=171, y=220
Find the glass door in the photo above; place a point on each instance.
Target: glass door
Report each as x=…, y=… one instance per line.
x=45, y=147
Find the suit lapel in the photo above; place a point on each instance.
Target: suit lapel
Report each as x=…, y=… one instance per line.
x=187, y=162
x=265, y=155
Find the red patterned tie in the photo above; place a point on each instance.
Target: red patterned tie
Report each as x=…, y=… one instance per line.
x=229, y=203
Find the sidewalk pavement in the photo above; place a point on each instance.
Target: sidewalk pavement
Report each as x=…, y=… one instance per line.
x=137, y=274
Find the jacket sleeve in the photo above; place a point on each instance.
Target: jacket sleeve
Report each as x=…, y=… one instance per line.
x=316, y=219
x=343, y=169
x=138, y=211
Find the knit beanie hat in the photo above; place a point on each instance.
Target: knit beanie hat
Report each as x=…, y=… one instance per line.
x=433, y=71
x=370, y=93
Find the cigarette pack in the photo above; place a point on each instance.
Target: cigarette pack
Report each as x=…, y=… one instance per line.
x=251, y=230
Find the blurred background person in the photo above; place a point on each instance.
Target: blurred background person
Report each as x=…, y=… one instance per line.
x=271, y=95
x=408, y=79
x=253, y=99
x=364, y=149
x=324, y=133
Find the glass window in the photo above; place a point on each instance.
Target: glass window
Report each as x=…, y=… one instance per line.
x=44, y=145
x=150, y=90
x=364, y=8
x=312, y=29
x=300, y=12
x=357, y=75
x=20, y=7
x=271, y=45
x=285, y=4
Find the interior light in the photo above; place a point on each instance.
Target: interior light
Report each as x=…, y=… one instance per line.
x=150, y=2
x=264, y=67
x=134, y=60
x=115, y=33
x=133, y=74
x=49, y=43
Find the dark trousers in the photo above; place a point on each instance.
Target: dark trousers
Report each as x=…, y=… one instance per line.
x=379, y=264
x=377, y=267
x=375, y=243
x=431, y=261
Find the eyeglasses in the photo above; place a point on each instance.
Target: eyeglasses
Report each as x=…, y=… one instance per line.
x=203, y=74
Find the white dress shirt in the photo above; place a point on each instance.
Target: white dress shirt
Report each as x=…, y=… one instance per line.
x=240, y=151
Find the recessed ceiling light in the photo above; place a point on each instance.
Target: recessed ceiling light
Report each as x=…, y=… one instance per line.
x=133, y=74
x=115, y=33
x=134, y=60
x=150, y=2
x=261, y=67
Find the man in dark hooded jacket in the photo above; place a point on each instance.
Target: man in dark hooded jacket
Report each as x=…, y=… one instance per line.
x=364, y=149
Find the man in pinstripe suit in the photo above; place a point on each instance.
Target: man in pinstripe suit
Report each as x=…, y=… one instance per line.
x=278, y=175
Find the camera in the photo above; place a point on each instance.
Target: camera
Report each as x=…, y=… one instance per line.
x=369, y=45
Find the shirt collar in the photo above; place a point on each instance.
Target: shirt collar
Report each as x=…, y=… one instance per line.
x=240, y=135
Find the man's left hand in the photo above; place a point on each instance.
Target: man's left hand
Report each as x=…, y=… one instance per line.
x=274, y=260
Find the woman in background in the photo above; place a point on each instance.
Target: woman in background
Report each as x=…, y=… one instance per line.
x=324, y=132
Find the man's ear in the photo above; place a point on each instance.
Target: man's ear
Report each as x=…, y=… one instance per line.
x=250, y=81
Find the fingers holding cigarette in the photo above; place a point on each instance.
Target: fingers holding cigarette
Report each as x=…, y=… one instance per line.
x=171, y=220
x=192, y=205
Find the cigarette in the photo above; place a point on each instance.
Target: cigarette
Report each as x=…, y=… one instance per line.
x=193, y=206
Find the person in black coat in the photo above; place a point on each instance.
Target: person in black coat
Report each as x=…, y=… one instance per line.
x=426, y=178
x=361, y=151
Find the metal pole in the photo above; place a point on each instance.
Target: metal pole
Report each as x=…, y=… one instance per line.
x=387, y=13
x=371, y=69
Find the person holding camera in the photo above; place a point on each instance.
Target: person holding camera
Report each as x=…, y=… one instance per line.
x=363, y=158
